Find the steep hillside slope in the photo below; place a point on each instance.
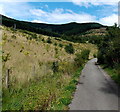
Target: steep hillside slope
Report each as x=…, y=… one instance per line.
x=42, y=73
x=23, y=53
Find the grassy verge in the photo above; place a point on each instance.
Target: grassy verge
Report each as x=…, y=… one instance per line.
x=113, y=73
x=67, y=94
x=51, y=93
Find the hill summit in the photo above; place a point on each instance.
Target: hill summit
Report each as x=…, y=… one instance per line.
x=55, y=30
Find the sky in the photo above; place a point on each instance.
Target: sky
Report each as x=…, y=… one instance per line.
x=64, y=11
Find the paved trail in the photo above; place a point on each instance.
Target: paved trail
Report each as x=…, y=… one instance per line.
x=95, y=91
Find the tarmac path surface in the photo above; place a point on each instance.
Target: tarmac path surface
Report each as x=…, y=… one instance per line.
x=95, y=91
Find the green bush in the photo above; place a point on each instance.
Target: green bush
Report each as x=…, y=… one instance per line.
x=55, y=66
x=58, y=39
x=49, y=40
x=60, y=45
x=71, y=88
x=69, y=49
x=13, y=36
x=85, y=54
x=6, y=57
x=4, y=37
x=94, y=55
x=55, y=44
x=65, y=101
x=43, y=40
x=74, y=81
x=79, y=60
x=56, y=50
x=34, y=36
x=29, y=38
x=100, y=57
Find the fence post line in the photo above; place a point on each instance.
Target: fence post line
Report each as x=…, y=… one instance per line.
x=33, y=70
x=7, y=78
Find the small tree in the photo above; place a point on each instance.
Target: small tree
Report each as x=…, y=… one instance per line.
x=69, y=49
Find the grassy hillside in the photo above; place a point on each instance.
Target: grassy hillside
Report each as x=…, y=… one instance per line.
x=40, y=70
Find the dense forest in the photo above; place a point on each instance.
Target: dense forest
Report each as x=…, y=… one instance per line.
x=64, y=31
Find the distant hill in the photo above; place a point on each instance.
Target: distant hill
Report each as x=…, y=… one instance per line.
x=61, y=30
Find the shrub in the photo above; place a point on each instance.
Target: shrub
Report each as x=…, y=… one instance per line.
x=74, y=82
x=29, y=38
x=69, y=49
x=13, y=36
x=34, y=36
x=55, y=44
x=65, y=101
x=81, y=57
x=49, y=40
x=6, y=57
x=79, y=60
x=60, y=45
x=58, y=39
x=55, y=66
x=100, y=57
x=43, y=40
x=56, y=50
x=85, y=54
x=4, y=37
x=70, y=88
x=94, y=55
x=26, y=53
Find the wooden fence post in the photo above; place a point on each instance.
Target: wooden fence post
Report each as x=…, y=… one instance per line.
x=7, y=78
x=33, y=70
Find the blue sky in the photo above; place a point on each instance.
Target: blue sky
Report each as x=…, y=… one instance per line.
x=62, y=12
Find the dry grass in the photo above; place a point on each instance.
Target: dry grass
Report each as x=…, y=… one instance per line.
x=31, y=57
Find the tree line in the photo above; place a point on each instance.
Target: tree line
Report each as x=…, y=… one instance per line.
x=109, y=48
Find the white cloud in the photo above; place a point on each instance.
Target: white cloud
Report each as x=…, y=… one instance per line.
x=38, y=21
x=38, y=12
x=110, y=20
x=94, y=2
x=59, y=16
x=24, y=11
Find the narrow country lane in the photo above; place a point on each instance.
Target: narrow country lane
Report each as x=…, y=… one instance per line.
x=95, y=91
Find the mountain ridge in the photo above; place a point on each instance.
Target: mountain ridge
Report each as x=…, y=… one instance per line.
x=63, y=31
